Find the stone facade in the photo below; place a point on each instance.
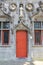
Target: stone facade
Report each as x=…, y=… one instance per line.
x=17, y=22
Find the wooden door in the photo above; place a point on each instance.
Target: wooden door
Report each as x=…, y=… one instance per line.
x=21, y=44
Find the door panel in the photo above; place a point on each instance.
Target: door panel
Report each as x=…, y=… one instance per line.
x=21, y=44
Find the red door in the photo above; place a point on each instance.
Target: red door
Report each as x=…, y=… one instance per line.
x=21, y=44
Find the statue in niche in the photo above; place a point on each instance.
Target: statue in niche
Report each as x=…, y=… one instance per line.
x=21, y=11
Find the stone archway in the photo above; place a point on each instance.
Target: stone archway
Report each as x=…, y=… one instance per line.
x=22, y=41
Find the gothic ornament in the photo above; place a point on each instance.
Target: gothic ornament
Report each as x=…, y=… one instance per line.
x=12, y=6
x=5, y=8
x=29, y=7
x=41, y=5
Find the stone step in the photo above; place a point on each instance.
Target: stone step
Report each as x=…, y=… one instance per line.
x=14, y=63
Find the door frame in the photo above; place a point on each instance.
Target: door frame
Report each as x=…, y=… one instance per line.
x=29, y=57
x=26, y=42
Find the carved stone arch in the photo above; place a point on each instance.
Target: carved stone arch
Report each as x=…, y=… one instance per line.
x=21, y=41
x=22, y=33
x=4, y=17
x=22, y=26
x=38, y=16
